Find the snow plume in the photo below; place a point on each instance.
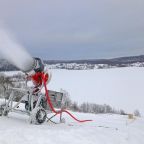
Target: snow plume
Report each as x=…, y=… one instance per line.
x=13, y=52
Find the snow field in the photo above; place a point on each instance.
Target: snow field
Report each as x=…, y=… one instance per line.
x=119, y=87
x=105, y=129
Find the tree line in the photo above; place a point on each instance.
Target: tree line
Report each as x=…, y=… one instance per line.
x=94, y=108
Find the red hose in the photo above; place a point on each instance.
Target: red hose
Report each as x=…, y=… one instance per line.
x=51, y=105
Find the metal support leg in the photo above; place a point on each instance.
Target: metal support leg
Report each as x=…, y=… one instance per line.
x=60, y=117
x=7, y=108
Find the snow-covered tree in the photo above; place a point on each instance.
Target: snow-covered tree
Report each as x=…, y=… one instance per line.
x=66, y=99
x=75, y=106
x=5, y=82
x=137, y=113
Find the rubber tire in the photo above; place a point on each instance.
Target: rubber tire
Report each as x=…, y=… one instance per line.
x=1, y=111
x=38, y=118
x=5, y=113
x=27, y=106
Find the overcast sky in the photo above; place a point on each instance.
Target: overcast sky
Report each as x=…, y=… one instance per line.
x=76, y=29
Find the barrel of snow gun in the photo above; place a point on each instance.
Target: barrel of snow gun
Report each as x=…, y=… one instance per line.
x=36, y=66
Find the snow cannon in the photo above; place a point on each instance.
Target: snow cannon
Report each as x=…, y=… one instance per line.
x=32, y=101
x=34, y=66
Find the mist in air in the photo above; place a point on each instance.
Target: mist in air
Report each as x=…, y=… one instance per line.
x=13, y=52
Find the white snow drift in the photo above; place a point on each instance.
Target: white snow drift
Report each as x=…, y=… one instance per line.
x=105, y=129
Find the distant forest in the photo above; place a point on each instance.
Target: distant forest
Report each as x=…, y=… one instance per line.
x=117, y=62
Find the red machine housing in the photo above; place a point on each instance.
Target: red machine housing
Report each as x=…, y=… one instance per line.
x=37, y=80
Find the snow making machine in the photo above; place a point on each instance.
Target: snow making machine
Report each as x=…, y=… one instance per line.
x=32, y=101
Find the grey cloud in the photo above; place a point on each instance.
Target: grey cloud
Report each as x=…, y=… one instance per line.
x=95, y=28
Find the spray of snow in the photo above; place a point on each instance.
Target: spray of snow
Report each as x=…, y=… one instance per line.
x=13, y=52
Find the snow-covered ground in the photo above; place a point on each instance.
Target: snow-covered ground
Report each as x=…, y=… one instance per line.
x=119, y=87
x=105, y=129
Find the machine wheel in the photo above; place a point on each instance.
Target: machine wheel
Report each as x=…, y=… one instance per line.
x=2, y=112
x=38, y=115
x=27, y=106
x=5, y=113
x=41, y=116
